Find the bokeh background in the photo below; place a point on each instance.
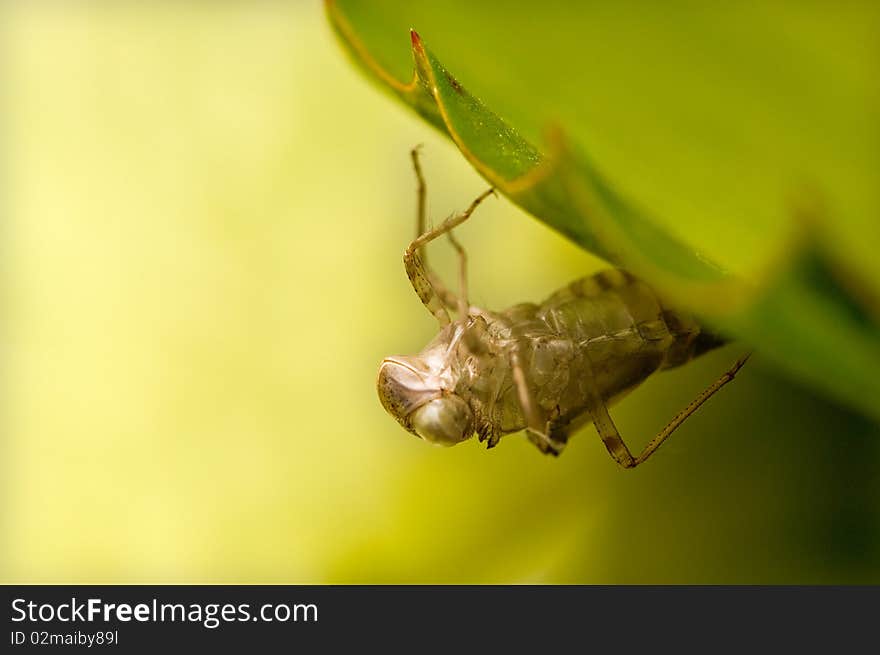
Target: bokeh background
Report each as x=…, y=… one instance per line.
x=205, y=208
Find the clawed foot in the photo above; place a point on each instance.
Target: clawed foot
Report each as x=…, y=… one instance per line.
x=545, y=443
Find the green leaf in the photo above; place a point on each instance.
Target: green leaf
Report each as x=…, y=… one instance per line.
x=756, y=154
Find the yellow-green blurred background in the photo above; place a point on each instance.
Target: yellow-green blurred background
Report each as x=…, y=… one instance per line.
x=205, y=208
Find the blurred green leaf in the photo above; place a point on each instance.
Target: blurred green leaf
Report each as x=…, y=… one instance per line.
x=752, y=133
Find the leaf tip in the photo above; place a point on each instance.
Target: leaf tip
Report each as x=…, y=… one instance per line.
x=416, y=40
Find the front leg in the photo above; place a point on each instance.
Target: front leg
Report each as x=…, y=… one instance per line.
x=427, y=284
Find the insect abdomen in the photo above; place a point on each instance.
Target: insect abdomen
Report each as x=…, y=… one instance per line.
x=623, y=328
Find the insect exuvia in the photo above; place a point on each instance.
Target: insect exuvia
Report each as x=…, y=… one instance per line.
x=545, y=368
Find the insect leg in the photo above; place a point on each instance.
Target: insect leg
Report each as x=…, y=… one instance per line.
x=422, y=191
x=679, y=418
x=463, y=303
x=446, y=297
x=472, y=338
x=429, y=288
x=613, y=441
x=537, y=428
x=609, y=434
x=449, y=224
x=602, y=420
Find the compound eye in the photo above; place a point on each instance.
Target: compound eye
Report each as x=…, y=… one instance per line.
x=401, y=388
x=443, y=421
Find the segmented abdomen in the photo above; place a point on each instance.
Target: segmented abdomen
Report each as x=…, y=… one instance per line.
x=609, y=330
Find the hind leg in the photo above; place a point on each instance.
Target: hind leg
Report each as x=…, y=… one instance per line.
x=614, y=442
